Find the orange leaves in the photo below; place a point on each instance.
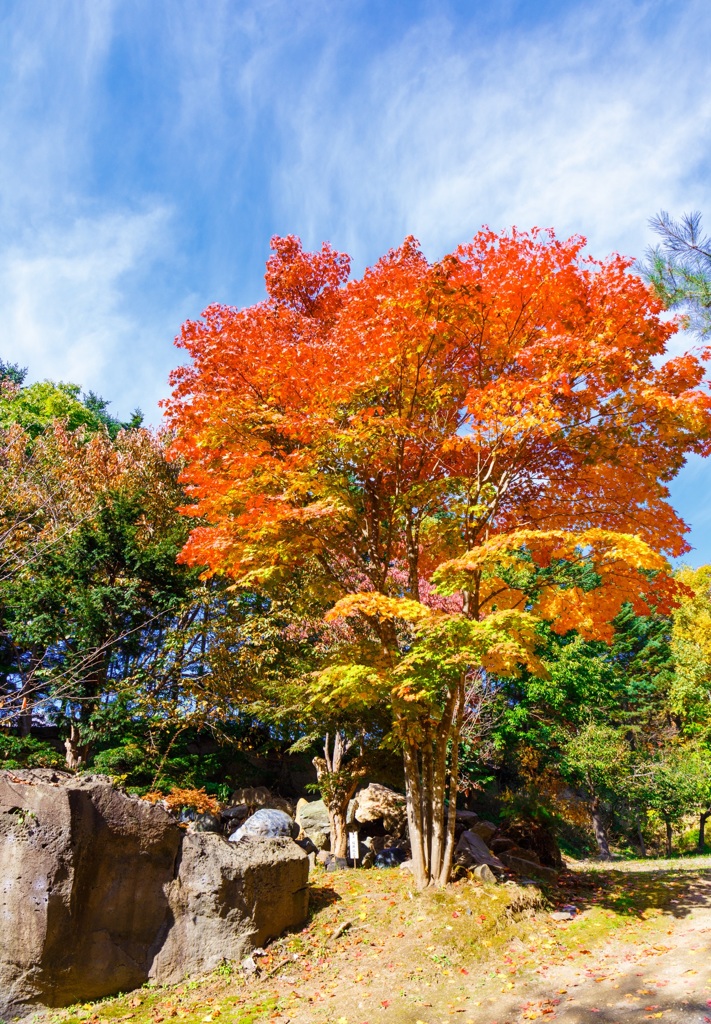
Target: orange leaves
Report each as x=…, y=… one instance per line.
x=508, y=396
x=626, y=570
x=305, y=281
x=179, y=798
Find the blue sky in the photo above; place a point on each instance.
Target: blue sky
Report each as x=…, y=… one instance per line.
x=150, y=148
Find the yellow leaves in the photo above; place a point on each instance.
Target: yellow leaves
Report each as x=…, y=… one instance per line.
x=605, y=547
x=692, y=620
x=349, y=685
x=691, y=646
x=373, y=605
x=625, y=568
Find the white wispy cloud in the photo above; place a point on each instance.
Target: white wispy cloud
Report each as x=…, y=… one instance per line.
x=147, y=151
x=74, y=305
x=588, y=123
x=66, y=312
x=52, y=56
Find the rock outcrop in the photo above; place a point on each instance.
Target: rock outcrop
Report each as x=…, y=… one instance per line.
x=227, y=900
x=100, y=891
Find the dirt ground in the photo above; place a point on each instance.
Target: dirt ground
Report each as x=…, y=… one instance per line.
x=666, y=979
x=376, y=951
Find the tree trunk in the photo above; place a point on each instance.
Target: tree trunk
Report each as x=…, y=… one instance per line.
x=338, y=780
x=27, y=695
x=599, y=830
x=431, y=830
x=24, y=719
x=640, y=838
x=339, y=833
x=668, y=844
x=702, y=830
x=76, y=750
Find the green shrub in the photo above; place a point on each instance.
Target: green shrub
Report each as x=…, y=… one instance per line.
x=28, y=752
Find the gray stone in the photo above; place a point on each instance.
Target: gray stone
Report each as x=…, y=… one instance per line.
x=484, y=873
x=314, y=823
x=249, y=965
x=529, y=868
x=517, y=851
x=307, y=846
x=234, y=816
x=471, y=849
x=197, y=822
x=254, y=797
x=266, y=824
x=484, y=829
x=378, y=803
x=337, y=864
x=321, y=840
x=100, y=891
x=467, y=818
x=391, y=857
x=378, y=843
x=227, y=900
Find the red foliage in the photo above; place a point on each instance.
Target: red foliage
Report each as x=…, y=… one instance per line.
x=375, y=429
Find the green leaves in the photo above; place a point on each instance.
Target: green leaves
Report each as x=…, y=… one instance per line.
x=679, y=269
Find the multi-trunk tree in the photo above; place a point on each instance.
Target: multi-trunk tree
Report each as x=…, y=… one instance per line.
x=447, y=453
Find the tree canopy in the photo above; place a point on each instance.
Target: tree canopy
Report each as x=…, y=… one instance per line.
x=447, y=453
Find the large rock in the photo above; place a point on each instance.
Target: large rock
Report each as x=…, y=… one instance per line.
x=526, y=867
x=532, y=837
x=254, y=797
x=484, y=829
x=378, y=803
x=314, y=822
x=100, y=891
x=465, y=818
x=84, y=872
x=267, y=824
x=227, y=900
x=471, y=849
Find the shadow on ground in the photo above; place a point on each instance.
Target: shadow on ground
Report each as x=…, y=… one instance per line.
x=675, y=892
x=320, y=897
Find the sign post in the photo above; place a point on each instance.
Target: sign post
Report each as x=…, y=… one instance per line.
x=353, y=846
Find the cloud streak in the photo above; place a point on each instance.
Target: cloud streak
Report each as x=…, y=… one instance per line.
x=148, y=151
x=589, y=124
x=64, y=308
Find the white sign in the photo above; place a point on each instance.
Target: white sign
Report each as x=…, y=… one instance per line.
x=353, y=845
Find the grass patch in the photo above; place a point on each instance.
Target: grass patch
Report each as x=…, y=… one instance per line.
x=373, y=942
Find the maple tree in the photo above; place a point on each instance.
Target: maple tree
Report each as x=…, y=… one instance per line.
x=446, y=453
x=262, y=663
